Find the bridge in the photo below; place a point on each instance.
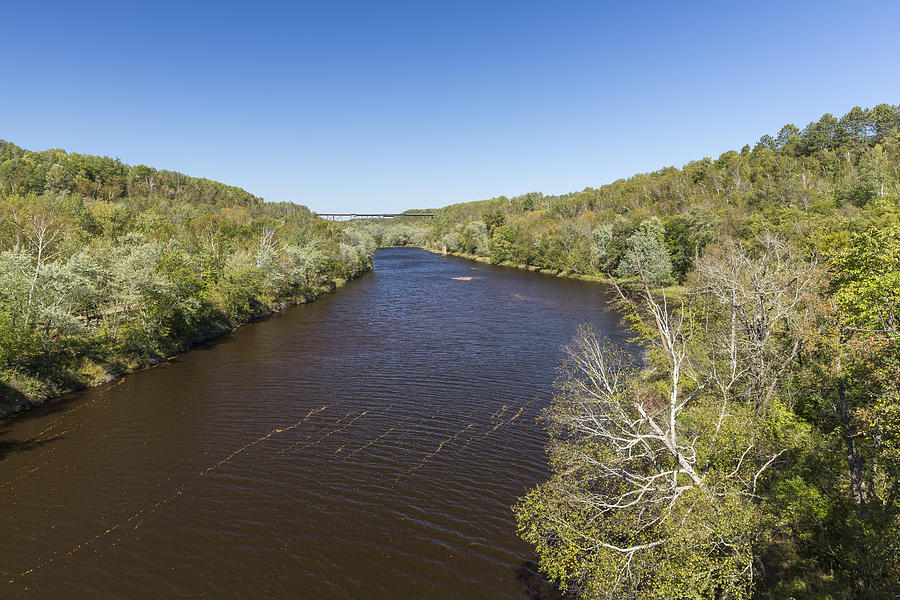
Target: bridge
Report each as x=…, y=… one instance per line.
x=350, y=216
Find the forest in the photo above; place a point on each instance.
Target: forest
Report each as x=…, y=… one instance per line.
x=753, y=449
x=749, y=449
x=106, y=268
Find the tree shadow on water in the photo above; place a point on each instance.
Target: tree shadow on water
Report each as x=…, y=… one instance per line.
x=536, y=586
x=12, y=399
x=8, y=447
x=19, y=409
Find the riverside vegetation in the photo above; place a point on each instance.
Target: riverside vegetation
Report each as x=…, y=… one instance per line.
x=755, y=449
x=106, y=267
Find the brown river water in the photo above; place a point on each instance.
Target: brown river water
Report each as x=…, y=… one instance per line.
x=367, y=445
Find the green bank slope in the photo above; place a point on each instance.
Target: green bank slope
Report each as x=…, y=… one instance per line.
x=756, y=452
x=106, y=267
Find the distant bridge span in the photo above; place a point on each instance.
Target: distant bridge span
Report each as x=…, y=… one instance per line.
x=340, y=216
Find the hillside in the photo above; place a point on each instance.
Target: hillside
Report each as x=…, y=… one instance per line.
x=756, y=452
x=814, y=185
x=106, y=267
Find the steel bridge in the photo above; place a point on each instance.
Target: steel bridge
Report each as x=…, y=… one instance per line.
x=351, y=216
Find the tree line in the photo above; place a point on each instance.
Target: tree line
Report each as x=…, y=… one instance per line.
x=387, y=234
x=753, y=450
x=105, y=267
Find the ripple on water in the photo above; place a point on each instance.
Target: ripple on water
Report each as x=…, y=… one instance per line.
x=367, y=445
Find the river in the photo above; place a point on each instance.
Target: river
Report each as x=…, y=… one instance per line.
x=367, y=445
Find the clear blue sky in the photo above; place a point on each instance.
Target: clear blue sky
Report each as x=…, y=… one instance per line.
x=386, y=106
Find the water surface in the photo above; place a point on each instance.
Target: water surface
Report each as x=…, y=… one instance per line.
x=367, y=445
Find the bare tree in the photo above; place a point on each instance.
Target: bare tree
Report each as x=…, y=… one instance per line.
x=666, y=463
x=41, y=230
x=755, y=311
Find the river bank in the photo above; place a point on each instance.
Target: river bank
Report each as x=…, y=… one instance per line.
x=365, y=445
x=672, y=291
x=20, y=392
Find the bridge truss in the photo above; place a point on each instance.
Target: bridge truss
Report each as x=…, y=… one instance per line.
x=351, y=216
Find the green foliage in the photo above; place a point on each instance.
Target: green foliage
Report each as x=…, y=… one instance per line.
x=793, y=183
x=473, y=238
x=788, y=255
x=646, y=255
x=398, y=232
x=641, y=503
x=104, y=178
x=685, y=238
x=867, y=279
x=502, y=240
x=786, y=399
x=104, y=267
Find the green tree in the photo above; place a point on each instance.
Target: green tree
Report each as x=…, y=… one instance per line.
x=646, y=255
x=501, y=244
